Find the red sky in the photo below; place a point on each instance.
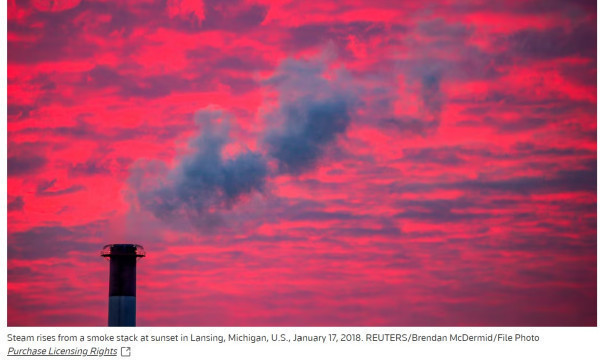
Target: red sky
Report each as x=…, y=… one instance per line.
x=304, y=163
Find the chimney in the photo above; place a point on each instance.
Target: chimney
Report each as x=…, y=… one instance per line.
x=121, y=290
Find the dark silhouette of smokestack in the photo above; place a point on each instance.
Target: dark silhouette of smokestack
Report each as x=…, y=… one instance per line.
x=121, y=290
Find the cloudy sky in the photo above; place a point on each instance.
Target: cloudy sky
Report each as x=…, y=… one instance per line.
x=304, y=163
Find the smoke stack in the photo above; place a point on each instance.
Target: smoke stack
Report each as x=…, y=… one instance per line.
x=121, y=290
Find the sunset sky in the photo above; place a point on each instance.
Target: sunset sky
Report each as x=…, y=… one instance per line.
x=304, y=163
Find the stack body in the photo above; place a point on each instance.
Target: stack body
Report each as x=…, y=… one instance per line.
x=122, y=283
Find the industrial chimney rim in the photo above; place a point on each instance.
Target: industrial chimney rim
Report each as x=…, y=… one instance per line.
x=123, y=249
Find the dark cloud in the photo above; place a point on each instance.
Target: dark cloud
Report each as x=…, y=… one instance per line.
x=539, y=109
x=103, y=76
x=317, y=215
x=309, y=127
x=410, y=125
x=150, y=87
x=432, y=100
x=310, y=35
x=567, y=7
x=528, y=148
x=577, y=180
x=434, y=40
x=438, y=28
x=241, y=59
x=204, y=182
x=519, y=125
x=580, y=179
x=43, y=189
x=60, y=35
x=83, y=129
x=44, y=82
x=155, y=86
x=312, y=113
x=383, y=231
x=53, y=241
x=554, y=43
x=56, y=36
x=232, y=15
x=458, y=155
x=18, y=112
x=239, y=63
x=90, y=167
x=431, y=94
x=442, y=210
x=233, y=71
x=240, y=85
x=514, y=99
x=16, y=204
x=444, y=156
x=25, y=164
x=583, y=74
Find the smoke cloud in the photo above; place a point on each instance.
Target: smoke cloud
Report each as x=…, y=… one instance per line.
x=312, y=112
x=309, y=126
x=204, y=182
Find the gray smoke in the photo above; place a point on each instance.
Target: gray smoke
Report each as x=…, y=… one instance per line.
x=310, y=126
x=312, y=112
x=204, y=182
